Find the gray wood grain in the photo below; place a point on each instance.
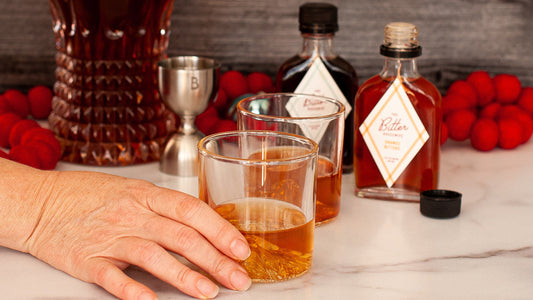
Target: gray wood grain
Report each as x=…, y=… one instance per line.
x=457, y=36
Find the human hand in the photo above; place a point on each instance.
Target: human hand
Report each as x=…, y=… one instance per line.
x=94, y=225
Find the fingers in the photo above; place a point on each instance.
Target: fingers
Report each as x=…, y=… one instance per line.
x=112, y=279
x=188, y=242
x=156, y=260
x=198, y=215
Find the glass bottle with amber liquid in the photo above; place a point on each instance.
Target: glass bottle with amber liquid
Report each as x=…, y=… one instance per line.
x=318, y=70
x=397, y=124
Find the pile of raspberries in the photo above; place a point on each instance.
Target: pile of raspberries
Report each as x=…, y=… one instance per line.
x=29, y=143
x=234, y=86
x=490, y=111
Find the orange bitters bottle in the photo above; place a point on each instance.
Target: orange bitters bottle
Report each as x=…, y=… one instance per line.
x=397, y=124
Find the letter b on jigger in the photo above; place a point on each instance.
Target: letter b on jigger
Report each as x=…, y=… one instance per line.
x=194, y=83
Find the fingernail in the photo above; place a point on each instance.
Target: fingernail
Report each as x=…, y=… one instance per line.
x=240, y=249
x=207, y=288
x=146, y=296
x=240, y=281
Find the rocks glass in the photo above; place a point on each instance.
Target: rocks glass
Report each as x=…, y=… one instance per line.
x=264, y=184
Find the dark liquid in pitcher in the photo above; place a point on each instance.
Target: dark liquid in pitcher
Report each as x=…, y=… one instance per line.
x=106, y=109
x=291, y=74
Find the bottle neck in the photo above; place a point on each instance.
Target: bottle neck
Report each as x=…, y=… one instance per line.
x=404, y=67
x=318, y=45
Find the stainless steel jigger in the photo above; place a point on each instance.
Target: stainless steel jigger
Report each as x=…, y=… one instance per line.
x=187, y=84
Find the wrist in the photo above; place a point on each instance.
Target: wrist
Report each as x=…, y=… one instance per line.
x=23, y=194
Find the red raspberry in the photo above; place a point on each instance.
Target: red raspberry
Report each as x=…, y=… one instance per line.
x=19, y=129
x=7, y=121
x=224, y=125
x=234, y=84
x=45, y=153
x=253, y=124
x=24, y=155
x=510, y=133
x=443, y=133
x=18, y=102
x=508, y=111
x=459, y=124
x=221, y=101
x=483, y=85
x=517, y=113
x=4, y=106
x=527, y=125
x=464, y=89
x=206, y=120
x=484, y=135
x=526, y=100
x=507, y=87
x=490, y=111
x=45, y=135
x=36, y=131
x=3, y=154
x=40, y=99
x=259, y=82
x=453, y=102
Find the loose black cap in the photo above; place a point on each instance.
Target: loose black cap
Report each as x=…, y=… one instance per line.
x=440, y=204
x=318, y=18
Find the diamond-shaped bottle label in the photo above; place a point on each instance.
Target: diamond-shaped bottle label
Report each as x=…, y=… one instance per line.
x=317, y=81
x=313, y=128
x=393, y=132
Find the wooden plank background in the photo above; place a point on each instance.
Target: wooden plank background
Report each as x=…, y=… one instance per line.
x=457, y=36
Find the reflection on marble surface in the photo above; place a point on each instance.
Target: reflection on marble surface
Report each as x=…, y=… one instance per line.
x=374, y=249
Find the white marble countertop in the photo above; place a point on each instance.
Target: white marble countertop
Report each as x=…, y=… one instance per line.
x=374, y=249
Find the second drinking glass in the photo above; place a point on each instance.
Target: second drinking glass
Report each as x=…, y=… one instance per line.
x=318, y=118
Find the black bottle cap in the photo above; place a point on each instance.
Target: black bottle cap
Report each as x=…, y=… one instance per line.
x=440, y=204
x=318, y=18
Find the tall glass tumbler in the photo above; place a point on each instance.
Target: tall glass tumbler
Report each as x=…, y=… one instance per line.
x=106, y=109
x=318, y=118
x=263, y=182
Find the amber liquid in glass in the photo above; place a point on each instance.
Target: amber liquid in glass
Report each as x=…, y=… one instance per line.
x=285, y=184
x=328, y=191
x=279, y=181
x=422, y=172
x=291, y=74
x=106, y=109
x=280, y=237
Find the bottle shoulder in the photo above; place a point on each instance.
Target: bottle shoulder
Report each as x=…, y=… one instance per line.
x=342, y=65
x=377, y=85
x=373, y=83
x=424, y=86
x=295, y=62
x=299, y=63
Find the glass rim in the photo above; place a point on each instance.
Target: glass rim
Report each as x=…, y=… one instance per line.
x=332, y=116
x=313, y=150
x=188, y=63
